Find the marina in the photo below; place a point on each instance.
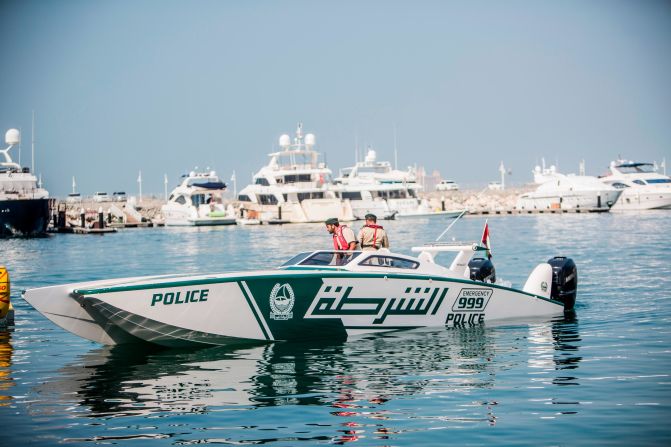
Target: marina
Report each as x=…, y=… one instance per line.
x=326, y=223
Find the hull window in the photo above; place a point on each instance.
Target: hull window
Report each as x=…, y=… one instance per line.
x=309, y=195
x=353, y=195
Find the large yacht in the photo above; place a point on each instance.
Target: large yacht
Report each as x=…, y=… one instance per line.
x=560, y=191
x=25, y=206
x=198, y=201
x=374, y=186
x=293, y=186
x=642, y=188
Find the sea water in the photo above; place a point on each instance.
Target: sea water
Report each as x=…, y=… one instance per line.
x=599, y=376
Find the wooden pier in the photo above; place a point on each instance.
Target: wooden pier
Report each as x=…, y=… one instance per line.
x=517, y=212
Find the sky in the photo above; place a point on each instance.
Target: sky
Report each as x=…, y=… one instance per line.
x=165, y=86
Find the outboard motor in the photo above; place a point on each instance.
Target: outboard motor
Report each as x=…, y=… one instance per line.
x=482, y=269
x=564, y=281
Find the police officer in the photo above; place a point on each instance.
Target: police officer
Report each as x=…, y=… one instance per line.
x=343, y=236
x=372, y=236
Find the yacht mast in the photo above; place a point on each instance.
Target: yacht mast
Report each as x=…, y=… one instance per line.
x=502, y=170
x=32, y=146
x=395, y=149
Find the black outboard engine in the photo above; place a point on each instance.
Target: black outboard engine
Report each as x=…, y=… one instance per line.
x=564, y=280
x=482, y=269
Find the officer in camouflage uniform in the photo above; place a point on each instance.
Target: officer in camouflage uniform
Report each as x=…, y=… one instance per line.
x=372, y=236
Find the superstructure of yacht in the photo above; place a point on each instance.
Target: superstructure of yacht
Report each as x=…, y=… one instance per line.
x=294, y=186
x=374, y=186
x=25, y=206
x=642, y=187
x=198, y=201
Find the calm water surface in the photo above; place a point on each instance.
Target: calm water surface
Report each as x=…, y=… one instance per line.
x=601, y=376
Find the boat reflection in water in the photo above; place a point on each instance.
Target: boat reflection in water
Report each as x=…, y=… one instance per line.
x=363, y=388
x=6, y=380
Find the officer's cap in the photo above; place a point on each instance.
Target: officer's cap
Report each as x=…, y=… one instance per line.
x=372, y=217
x=332, y=221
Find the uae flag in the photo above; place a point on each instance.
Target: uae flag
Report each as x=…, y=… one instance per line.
x=485, y=240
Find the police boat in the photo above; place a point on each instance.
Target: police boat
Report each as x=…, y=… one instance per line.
x=321, y=294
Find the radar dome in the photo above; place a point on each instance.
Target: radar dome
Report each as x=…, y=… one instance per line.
x=310, y=139
x=285, y=140
x=371, y=156
x=13, y=136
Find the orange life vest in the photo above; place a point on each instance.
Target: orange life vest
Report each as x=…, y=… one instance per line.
x=339, y=241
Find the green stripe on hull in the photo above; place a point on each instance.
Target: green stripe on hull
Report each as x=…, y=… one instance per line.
x=303, y=274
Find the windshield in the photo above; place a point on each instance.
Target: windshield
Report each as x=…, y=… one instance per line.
x=296, y=259
x=331, y=258
x=636, y=168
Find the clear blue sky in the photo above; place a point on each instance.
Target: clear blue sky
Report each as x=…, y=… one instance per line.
x=163, y=86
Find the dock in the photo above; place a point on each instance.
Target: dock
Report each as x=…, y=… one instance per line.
x=515, y=211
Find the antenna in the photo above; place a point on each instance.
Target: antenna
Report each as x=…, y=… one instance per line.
x=74, y=185
x=663, y=165
x=450, y=225
x=395, y=149
x=20, y=130
x=32, y=149
x=165, y=186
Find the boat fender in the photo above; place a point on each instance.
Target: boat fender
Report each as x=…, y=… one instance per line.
x=540, y=281
x=482, y=269
x=5, y=305
x=564, y=280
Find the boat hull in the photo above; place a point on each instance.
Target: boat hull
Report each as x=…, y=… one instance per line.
x=568, y=200
x=631, y=199
x=280, y=306
x=24, y=217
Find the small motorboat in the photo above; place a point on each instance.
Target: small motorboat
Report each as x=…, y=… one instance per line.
x=321, y=294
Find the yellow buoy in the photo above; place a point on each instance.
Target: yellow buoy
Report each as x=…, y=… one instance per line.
x=5, y=305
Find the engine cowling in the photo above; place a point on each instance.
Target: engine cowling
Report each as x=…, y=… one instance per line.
x=482, y=269
x=564, y=281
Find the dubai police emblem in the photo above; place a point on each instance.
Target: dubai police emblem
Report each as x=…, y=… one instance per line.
x=281, y=302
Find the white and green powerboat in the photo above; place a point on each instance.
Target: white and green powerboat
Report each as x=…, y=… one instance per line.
x=323, y=294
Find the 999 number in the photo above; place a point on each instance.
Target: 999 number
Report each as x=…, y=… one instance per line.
x=470, y=303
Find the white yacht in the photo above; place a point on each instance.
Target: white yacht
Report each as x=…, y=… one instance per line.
x=374, y=186
x=198, y=201
x=559, y=191
x=25, y=206
x=642, y=188
x=293, y=187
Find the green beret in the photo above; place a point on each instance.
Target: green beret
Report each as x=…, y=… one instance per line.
x=372, y=217
x=332, y=221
